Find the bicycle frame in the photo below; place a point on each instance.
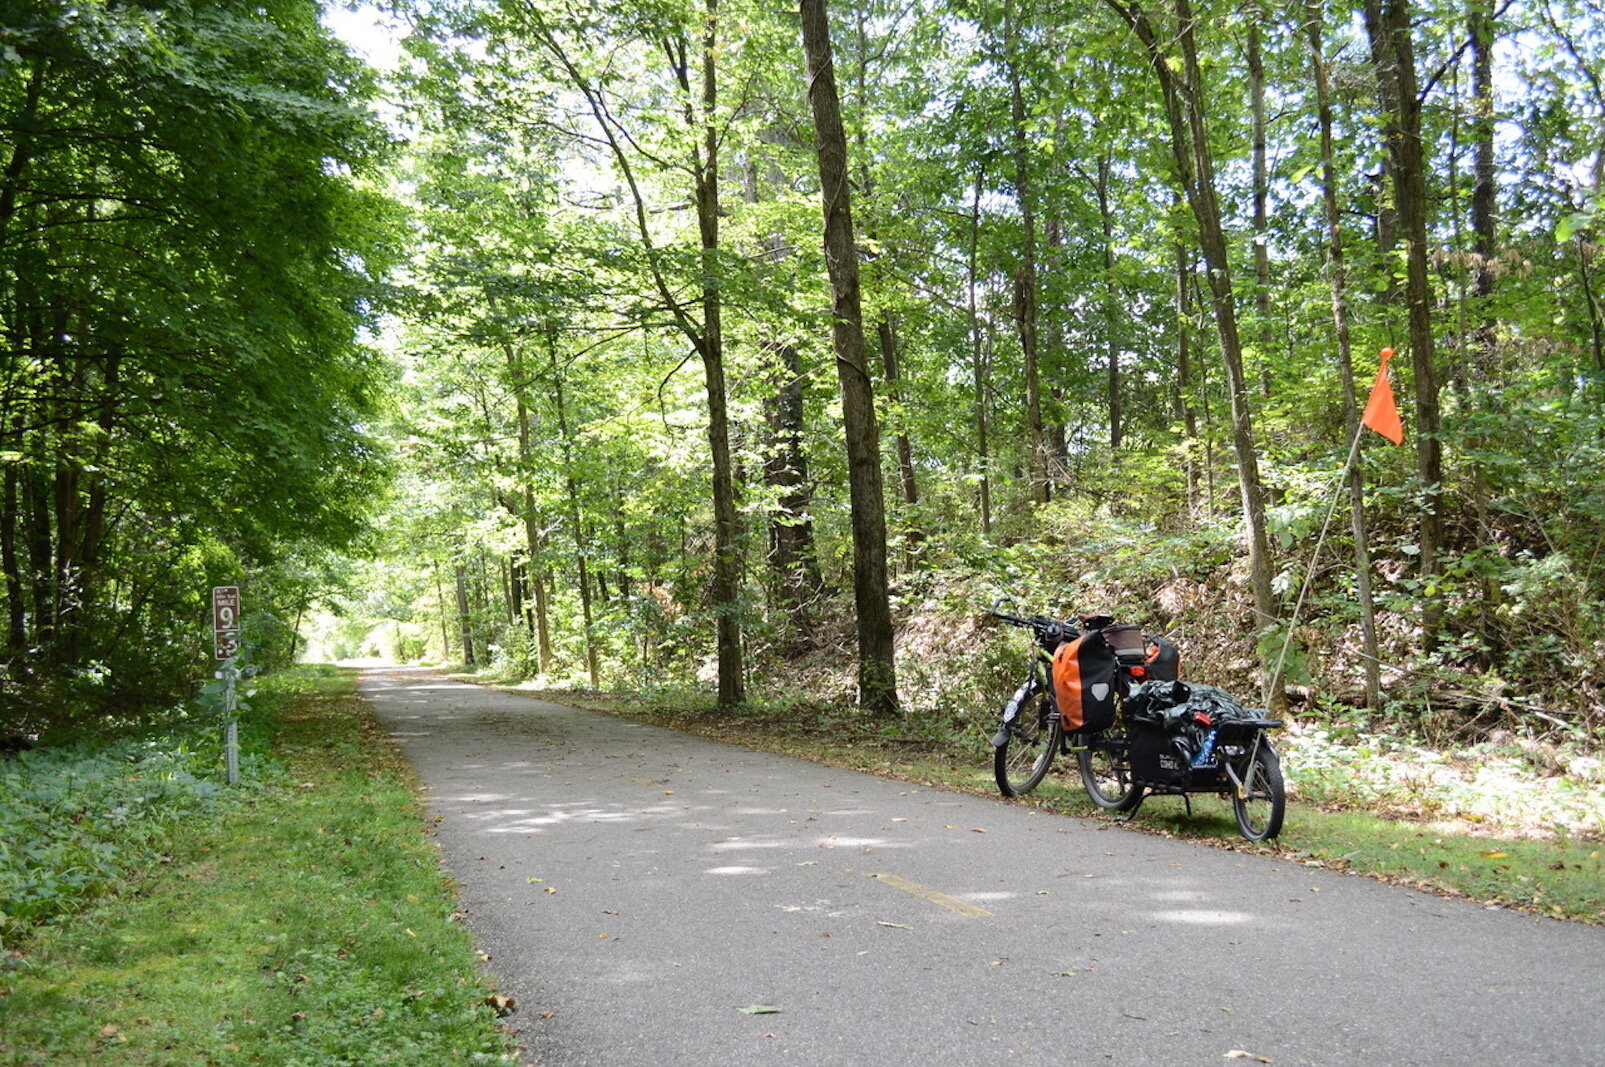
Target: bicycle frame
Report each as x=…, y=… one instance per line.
x=1038, y=680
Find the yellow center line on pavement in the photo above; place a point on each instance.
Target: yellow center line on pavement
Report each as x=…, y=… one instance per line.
x=925, y=892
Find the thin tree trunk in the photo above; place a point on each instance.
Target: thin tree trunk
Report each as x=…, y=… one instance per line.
x=576, y=517
x=1403, y=136
x=534, y=538
x=1340, y=324
x=1110, y=304
x=1384, y=63
x=877, y=676
x=792, y=557
x=1483, y=191
x=903, y=448
x=980, y=358
x=445, y=632
x=1025, y=277
x=464, y=616
x=1262, y=192
x=1187, y=409
x=1184, y=104
x=16, y=632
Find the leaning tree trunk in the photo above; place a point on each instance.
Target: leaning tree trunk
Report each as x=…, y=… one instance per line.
x=1182, y=91
x=700, y=102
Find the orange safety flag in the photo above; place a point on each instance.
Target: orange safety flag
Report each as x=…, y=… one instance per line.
x=1381, y=414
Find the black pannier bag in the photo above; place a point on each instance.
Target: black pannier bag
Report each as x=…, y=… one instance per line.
x=1159, y=758
x=1164, y=660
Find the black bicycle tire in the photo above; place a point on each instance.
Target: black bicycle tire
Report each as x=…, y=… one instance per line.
x=1268, y=787
x=1038, y=705
x=1098, y=747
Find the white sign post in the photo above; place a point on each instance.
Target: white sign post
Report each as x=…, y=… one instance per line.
x=225, y=646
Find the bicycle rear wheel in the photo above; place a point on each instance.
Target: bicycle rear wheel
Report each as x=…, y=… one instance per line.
x=1260, y=808
x=1106, y=773
x=1030, y=740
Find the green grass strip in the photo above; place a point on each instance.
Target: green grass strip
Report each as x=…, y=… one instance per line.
x=309, y=924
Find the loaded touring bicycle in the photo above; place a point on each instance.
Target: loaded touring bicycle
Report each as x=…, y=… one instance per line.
x=1112, y=697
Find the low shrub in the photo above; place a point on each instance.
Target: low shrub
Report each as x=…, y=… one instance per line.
x=74, y=819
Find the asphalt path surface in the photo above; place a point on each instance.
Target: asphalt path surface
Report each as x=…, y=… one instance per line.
x=640, y=893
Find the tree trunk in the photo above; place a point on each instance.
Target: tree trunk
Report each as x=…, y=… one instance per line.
x=902, y=447
x=726, y=519
x=445, y=631
x=1483, y=190
x=1403, y=136
x=1195, y=168
x=16, y=633
x=877, y=676
x=534, y=538
x=980, y=355
x=571, y=485
x=464, y=616
x=1025, y=275
x=1384, y=64
x=1186, y=408
x=706, y=336
x=792, y=558
x=1340, y=324
x=1111, y=298
x=1262, y=192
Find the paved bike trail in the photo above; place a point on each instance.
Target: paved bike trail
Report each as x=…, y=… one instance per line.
x=636, y=889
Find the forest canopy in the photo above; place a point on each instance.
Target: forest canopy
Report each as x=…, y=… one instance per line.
x=1123, y=272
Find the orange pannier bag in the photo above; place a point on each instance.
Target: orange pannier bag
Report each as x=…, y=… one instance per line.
x=1084, y=682
x=1084, y=672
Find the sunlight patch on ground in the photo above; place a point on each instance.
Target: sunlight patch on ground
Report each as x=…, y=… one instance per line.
x=732, y=846
x=1202, y=918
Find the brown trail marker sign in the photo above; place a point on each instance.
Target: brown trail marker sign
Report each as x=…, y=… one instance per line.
x=225, y=646
x=225, y=621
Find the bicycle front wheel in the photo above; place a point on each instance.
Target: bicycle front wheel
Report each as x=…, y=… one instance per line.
x=1030, y=740
x=1106, y=773
x=1261, y=806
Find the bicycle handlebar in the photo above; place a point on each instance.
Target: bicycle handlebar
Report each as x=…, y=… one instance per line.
x=1050, y=633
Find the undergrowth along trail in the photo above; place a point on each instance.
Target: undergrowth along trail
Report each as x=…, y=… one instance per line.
x=309, y=923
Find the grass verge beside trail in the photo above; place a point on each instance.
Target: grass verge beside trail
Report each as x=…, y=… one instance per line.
x=1560, y=877
x=306, y=923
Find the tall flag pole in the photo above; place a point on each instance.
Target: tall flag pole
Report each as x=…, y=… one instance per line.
x=1382, y=415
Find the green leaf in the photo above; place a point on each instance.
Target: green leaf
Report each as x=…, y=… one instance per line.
x=1568, y=227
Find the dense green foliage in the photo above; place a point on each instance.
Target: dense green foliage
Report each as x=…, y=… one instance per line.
x=1014, y=162
x=74, y=820
x=1122, y=286
x=186, y=256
